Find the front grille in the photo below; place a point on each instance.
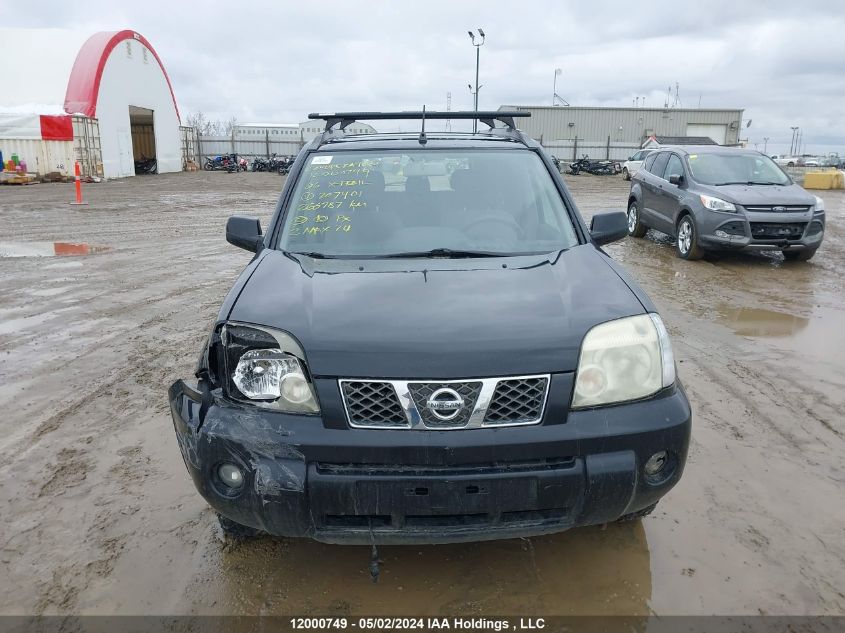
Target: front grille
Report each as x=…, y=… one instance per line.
x=422, y=391
x=517, y=400
x=777, y=231
x=777, y=208
x=373, y=404
x=404, y=404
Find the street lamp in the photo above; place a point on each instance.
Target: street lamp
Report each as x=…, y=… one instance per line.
x=558, y=71
x=477, y=58
x=765, y=143
x=792, y=142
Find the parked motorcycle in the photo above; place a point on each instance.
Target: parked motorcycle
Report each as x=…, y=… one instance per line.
x=228, y=162
x=146, y=165
x=260, y=164
x=594, y=167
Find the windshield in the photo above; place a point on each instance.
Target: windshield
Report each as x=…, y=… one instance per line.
x=725, y=169
x=454, y=202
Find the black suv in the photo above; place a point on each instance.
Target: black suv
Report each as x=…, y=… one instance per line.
x=431, y=346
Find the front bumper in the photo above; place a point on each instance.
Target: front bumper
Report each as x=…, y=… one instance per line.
x=342, y=485
x=755, y=231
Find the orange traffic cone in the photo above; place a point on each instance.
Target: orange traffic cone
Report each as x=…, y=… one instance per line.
x=78, y=183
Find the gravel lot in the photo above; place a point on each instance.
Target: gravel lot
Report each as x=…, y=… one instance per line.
x=99, y=516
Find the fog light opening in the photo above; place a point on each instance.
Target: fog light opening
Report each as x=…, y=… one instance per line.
x=656, y=464
x=230, y=476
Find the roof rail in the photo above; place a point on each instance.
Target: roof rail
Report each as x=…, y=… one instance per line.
x=489, y=117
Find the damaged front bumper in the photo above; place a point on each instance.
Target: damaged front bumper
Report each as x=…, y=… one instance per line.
x=342, y=485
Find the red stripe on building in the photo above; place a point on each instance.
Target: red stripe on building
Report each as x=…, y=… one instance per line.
x=56, y=128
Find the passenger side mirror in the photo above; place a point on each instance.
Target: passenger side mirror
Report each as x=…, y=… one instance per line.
x=244, y=232
x=609, y=227
x=676, y=179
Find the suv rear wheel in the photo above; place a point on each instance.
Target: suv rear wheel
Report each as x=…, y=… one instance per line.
x=625, y=174
x=635, y=227
x=686, y=244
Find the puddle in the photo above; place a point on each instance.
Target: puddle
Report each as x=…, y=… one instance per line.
x=760, y=322
x=50, y=249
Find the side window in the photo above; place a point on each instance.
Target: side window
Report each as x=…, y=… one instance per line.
x=649, y=161
x=674, y=167
x=659, y=164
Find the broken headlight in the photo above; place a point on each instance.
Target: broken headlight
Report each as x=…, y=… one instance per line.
x=622, y=360
x=267, y=367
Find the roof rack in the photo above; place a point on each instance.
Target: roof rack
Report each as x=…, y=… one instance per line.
x=488, y=117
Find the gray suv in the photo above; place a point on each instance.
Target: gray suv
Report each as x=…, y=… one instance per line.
x=716, y=198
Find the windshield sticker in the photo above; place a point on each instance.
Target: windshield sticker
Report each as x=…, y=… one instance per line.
x=330, y=196
x=693, y=156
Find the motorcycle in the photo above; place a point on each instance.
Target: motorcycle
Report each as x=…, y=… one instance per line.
x=260, y=164
x=594, y=167
x=146, y=165
x=228, y=162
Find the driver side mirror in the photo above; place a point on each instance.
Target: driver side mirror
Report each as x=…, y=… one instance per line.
x=608, y=227
x=244, y=232
x=676, y=179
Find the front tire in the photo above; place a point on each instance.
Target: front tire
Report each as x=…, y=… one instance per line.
x=626, y=174
x=799, y=256
x=635, y=227
x=686, y=244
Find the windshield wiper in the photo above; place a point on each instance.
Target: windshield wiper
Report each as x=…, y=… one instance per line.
x=313, y=254
x=747, y=182
x=448, y=253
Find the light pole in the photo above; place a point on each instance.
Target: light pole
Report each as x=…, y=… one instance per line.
x=792, y=142
x=765, y=143
x=558, y=71
x=477, y=58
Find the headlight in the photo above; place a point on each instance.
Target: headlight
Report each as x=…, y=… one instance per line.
x=622, y=360
x=717, y=204
x=267, y=366
x=819, y=204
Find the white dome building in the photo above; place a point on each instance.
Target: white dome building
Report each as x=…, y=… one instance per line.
x=119, y=79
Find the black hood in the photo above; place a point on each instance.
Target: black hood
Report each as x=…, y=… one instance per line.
x=437, y=318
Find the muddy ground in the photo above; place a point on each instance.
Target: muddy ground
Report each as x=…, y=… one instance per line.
x=98, y=516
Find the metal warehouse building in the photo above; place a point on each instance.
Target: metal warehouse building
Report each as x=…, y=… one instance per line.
x=614, y=133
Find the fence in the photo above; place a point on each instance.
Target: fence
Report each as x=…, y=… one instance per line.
x=572, y=149
x=217, y=145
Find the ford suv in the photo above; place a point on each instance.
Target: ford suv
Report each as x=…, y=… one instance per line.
x=430, y=346
x=714, y=198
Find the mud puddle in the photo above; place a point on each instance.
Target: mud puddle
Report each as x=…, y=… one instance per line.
x=51, y=249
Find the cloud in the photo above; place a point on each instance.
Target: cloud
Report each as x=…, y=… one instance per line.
x=277, y=61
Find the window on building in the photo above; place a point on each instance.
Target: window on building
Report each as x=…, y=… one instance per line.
x=129, y=49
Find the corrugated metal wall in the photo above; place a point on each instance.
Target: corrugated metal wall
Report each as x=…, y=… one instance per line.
x=623, y=125
x=86, y=146
x=143, y=141
x=41, y=157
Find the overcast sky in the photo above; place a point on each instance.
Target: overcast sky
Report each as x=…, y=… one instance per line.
x=783, y=62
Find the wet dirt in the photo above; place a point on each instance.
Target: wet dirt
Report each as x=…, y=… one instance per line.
x=99, y=516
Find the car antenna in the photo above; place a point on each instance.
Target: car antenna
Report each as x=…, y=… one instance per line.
x=423, y=139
